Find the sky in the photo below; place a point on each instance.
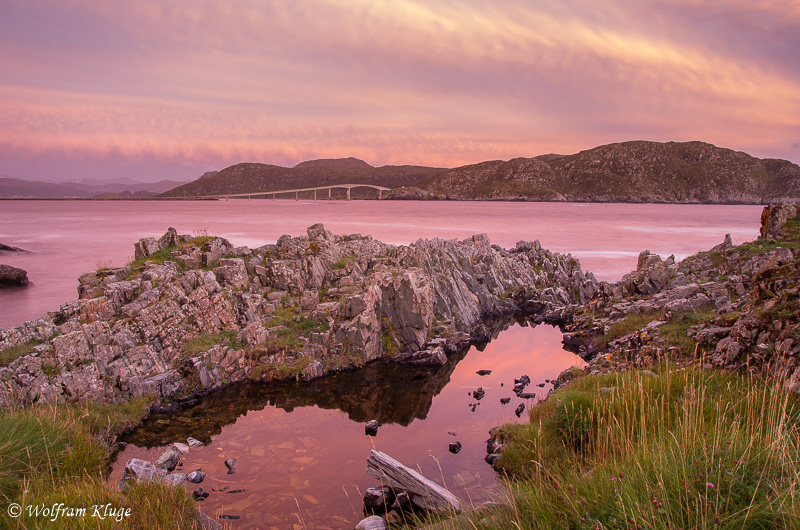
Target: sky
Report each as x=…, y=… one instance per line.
x=155, y=89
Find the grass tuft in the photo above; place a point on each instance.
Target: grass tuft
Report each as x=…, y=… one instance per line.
x=686, y=449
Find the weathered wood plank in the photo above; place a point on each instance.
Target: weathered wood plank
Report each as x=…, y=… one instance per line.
x=389, y=471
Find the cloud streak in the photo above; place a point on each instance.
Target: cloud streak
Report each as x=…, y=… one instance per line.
x=403, y=81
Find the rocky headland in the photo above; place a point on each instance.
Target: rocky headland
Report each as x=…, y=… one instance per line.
x=733, y=307
x=190, y=315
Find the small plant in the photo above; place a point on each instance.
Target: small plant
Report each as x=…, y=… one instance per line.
x=342, y=263
x=15, y=352
x=103, y=264
x=51, y=369
x=206, y=341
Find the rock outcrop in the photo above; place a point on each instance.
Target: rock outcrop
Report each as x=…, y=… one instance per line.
x=12, y=276
x=9, y=248
x=193, y=314
x=733, y=307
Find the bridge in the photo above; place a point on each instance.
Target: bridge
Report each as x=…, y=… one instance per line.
x=297, y=191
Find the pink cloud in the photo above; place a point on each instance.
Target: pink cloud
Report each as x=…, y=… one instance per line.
x=435, y=83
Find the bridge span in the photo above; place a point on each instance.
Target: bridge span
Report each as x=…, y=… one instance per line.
x=297, y=191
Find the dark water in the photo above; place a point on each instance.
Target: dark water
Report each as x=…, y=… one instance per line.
x=68, y=238
x=301, y=449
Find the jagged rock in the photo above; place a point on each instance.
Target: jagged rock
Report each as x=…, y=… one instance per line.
x=479, y=393
x=520, y=409
x=169, y=458
x=505, y=400
x=191, y=442
x=349, y=296
x=12, y=276
x=483, y=372
x=454, y=447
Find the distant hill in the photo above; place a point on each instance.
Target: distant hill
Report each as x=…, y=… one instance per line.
x=121, y=188
x=638, y=171
x=11, y=187
x=253, y=177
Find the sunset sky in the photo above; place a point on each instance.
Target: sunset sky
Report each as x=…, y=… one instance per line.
x=170, y=89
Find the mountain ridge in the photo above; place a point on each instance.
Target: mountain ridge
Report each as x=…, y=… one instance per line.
x=636, y=171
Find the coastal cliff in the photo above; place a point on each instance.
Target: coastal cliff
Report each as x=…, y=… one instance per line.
x=193, y=314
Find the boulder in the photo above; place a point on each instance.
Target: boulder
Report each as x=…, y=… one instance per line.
x=169, y=459
x=196, y=477
x=372, y=522
x=141, y=471
x=12, y=276
x=378, y=500
x=371, y=427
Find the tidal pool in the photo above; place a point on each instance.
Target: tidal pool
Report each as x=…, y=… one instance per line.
x=301, y=449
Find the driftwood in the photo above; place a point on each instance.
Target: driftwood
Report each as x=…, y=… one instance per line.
x=428, y=494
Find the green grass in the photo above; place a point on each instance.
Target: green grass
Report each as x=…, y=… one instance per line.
x=687, y=449
x=342, y=263
x=15, y=352
x=55, y=454
x=289, y=317
x=204, y=342
x=626, y=326
x=165, y=255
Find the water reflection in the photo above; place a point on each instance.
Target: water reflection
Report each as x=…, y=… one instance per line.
x=388, y=392
x=301, y=447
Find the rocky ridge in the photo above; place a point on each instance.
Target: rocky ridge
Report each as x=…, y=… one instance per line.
x=731, y=307
x=638, y=171
x=193, y=314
